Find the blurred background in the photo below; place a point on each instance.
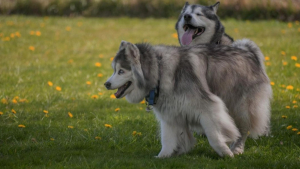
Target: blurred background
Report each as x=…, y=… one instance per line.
x=285, y=10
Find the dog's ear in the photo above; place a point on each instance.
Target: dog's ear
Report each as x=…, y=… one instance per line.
x=131, y=51
x=215, y=7
x=185, y=6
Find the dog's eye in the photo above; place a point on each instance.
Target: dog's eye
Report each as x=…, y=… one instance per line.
x=120, y=72
x=198, y=14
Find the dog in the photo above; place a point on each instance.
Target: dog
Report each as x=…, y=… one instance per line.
x=199, y=24
x=192, y=82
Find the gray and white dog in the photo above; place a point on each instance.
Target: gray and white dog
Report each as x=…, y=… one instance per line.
x=199, y=24
x=196, y=84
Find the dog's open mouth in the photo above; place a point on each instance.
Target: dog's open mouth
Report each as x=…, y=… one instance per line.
x=122, y=89
x=191, y=32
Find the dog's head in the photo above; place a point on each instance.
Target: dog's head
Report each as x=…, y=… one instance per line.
x=125, y=65
x=196, y=24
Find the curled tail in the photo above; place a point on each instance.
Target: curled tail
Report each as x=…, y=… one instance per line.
x=250, y=46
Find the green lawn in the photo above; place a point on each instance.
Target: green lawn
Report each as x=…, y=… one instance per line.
x=67, y=52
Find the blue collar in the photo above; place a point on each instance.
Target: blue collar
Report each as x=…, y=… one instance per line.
x=152, y=97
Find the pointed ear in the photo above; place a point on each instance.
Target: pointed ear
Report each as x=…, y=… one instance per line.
x=185, y=6
x=122, y=45
x=215, y=7
x=132, y=52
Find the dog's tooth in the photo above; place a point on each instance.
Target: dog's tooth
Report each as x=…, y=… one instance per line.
x=196, y=31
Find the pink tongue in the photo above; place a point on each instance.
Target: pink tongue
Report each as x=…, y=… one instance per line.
x=187, y=36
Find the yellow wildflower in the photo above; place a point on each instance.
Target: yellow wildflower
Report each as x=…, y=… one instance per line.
x=139, y=133
x=88, y=83
x=111, y=59
x=70, y=127
x=101, y=56
x=294, y=129
x=18, y=34
x=143, y=102
x=107, y=125
x=272, y=83
x=70, y=61
x=52, y=139
x=112, y=96
x=294, y=58
x=98, y=64
x=284, y=63
x=94, y=96
x=32, y=48
x=175, y=35
x=58, y=88
x=298, y=29
x=100, y=93
x=21, y=126
x=70, y=114
x=45, y=111
x=100, y=75
x=13, y=111
x=12, y=35
x=32, y=33
x=134, y=133
x=289, y=127
x=298, y=133
x=4, y=101
x=267, y=58
x=289, y=87
x=1, y=113
x=117, y=109
x=283, y=86
x=290, y=25
x=295, y=106
x=50, y=83
x=297, y=65
x=14, y=101
x=68, y=28
x=268, y=63
x=284, y=117
x=38, y=33
x=288, y=107
x=294, y=101
x=98, y=138
x=283, y=53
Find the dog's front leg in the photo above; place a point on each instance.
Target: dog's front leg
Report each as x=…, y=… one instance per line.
x=169, y=138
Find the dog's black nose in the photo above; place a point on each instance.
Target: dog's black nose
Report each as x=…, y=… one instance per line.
x=187, y=17
x=107, y=85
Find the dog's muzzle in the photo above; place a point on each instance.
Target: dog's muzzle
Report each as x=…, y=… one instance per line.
x=107, y=85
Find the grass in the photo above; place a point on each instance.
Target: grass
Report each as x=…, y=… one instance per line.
x=64, y=51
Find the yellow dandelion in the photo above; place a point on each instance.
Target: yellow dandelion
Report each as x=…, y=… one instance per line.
x=88, y=83
x=6, y=39
x=101, y=56
x=283, y=53
x=32, y=48
x=38, y=33
x=298, y=29
x=134, y=133
x=4, y=101
x=267, y=58
x=108, y=125
x=14, y=101
x=298, y=89
x=297, y=65
x=294, y=129
x=52, y=139
x=18, y=34
x=45, y=111
x=100, y=93
x=290, y=25
x=46, y=115
x=289, y=127
x=112, y=96
x=175, y=35
x=98, y=138
x=100, y=75
x=117, y=109
x=58, y=88
x=70, y=127
x=143, y=102
x=139, y=133
x=284, y=117
x=111, y=59
x=12, y=35
x=295, y=106
x=13, y=111
x=284, y=63
x=294, y=58
x=50, y=83
x=294, y=101
x=94, y=97
x=272, y=83
x=70, y=61
x=288, y=107
x=289, y=87
x=32, y=33
x=1, y=34
x=70, y=114
x=298, y=133
x=1, y=113
x=21, y=126
x=283, y=86
x=68, y=28
x=98, y=64
x=268, y=63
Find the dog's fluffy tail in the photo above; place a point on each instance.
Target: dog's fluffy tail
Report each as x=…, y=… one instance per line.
x=250, y=46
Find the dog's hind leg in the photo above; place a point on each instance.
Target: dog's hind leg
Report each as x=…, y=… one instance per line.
x=175, y=139
x=219, y=127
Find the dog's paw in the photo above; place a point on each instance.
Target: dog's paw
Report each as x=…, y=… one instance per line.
x=238, y=150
